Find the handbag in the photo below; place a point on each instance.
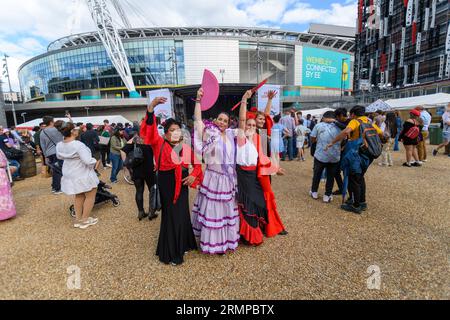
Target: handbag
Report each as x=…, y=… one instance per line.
x=155, y=196
x=104, y=141
x=413, y=132
x=134, y=158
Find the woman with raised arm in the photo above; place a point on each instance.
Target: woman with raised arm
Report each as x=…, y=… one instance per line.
x=215, y=213
x=264, y=124
x=172, y=158
x=251, y=164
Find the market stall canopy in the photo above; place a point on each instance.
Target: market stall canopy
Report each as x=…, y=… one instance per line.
x=378, y=105
x=432, y=100
x=96, y=121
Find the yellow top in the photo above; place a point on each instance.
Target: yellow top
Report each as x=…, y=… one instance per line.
x=354, y=125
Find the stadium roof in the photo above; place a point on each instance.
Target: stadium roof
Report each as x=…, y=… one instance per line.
x=262, y=34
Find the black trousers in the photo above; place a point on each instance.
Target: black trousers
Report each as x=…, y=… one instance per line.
x=318, y=170
x=338, y=177
x=104, y=151
x=139, y=184
x=357, y=188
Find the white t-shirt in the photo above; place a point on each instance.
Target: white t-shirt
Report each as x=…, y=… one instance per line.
x=301, y=131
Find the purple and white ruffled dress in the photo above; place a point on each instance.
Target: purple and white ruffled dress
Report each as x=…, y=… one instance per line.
x=215, y=216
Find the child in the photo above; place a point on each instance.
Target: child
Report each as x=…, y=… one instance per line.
x=301, y=132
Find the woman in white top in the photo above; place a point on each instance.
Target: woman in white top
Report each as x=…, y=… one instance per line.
x=79, y=178
x=251, y=202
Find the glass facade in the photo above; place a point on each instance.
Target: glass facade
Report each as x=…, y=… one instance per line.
x=90, y=68
x=277, y=62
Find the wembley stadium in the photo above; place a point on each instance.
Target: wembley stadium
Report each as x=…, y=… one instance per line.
x=76, y=73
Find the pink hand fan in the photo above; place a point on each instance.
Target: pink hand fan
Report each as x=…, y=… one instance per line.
x=210, y=87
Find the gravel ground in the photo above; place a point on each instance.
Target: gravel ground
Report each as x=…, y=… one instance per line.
x=325, y=256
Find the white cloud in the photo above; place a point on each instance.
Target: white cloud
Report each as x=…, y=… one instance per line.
x=338, y=14
x=268, y=10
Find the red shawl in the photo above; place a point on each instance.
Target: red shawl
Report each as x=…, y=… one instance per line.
x=169, y=158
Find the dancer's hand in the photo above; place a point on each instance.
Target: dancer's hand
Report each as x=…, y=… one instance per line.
x=271, y=94
x=247, y=95
x=200, y=94
x=157, y=101
x=188, y=181
x=281, y=172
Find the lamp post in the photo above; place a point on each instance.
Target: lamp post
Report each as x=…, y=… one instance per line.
x=23, y=116
x=6, y=74
x=97, y=71
x=258, y=61
x=173, y=58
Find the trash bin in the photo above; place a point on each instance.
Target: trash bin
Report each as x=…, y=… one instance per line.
x=435, y=135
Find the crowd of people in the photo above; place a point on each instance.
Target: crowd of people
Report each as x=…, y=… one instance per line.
x=229, y=160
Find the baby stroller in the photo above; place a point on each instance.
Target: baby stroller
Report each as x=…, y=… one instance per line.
x=102, y=196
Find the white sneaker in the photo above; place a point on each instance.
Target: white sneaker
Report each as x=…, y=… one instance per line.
x=314, y=195
x=92, y=221
x=81, y=225
x=327, y=199
x=108, y=165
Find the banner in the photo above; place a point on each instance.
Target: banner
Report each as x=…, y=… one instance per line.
x=447, y=41
x=163, y=111
x=441, y=66
x=409, y=13
x=325, y=69
x=262, y=99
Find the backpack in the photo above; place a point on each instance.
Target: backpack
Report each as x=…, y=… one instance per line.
x=371, y=143
x=413, y=132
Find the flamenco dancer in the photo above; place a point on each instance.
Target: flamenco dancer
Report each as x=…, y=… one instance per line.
x=264, y=124
x=172, y=158
x=215, y=213
x=251, y=161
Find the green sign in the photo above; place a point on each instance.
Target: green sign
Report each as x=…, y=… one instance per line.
x=325, y=69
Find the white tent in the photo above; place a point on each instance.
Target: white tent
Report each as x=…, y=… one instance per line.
x=378, y=105
x=318, y=113
x=432, y=100
x=96, y=121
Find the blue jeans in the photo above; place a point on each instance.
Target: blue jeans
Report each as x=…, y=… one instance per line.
x=56, y=166
x=289, y=148
x=15, y=163
x=117, y=165
x=396, y=146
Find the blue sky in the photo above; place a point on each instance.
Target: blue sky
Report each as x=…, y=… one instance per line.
x=28, y=26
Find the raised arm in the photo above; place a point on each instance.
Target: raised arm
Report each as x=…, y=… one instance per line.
x=243, y=110
x=149, y=130
x=198, y=121
x=270, y=95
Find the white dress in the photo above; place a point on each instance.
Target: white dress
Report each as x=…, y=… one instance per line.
x=78, y=168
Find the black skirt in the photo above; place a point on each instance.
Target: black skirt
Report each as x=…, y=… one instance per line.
x=176, y=235
x=252, y=206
